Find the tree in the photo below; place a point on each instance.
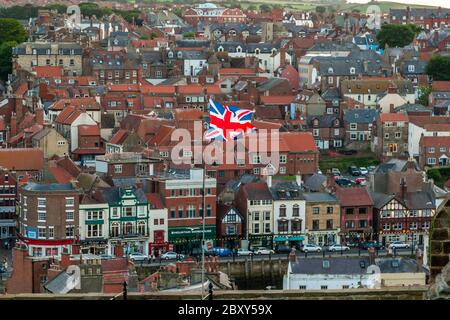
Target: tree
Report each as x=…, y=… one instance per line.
x=439, y=68
x=424, y=92
x=264, y=8
x=12, y=30
x=5, y=58
x=397, y=35
x=252, y=7
x=320, y=9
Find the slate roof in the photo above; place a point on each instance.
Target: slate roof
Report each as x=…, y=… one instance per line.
x=270, y=83
x=49, y=187
x=319, y=197
x=338, y=265
x=419, y=200
x=325, y=121
x=419, y=67
x=257, y=191
x=112, y=195
x=416, y=107
x=380, y=199
x=62, y=283
x=315, y=182
x=360, y=115
x=286, y=191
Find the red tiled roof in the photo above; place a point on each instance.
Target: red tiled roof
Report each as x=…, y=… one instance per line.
x=435, y=141
x=441, y=85
x=123, y=87
x=191, y=88
x=22, y=159
x=352, y=197
x=87, y=103
x=239, y=71
x=119, y=137
x=88, y=130
x=213, y=89
x=60, y=175
x=97, y=150
x=48, y=71
x=421, y=121
x=298, y=141
x=437, y=127
x=277, y=100
x=384, y=117
x=166, y=89
x=68, y=115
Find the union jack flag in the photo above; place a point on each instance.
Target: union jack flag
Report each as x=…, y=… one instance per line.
x=227, y=122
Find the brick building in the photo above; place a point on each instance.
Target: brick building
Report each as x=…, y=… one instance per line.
x=434, y=151
x=8, y=192
x=391, y=137
x=356, y=214
x=48, y=220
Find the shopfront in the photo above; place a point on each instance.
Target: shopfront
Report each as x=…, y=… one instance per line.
x=289, y=240
x=139, y=245
x=94, y=246
x=159, y=245
x=187, y=239
x=323, y=238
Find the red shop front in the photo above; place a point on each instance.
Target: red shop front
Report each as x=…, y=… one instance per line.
x=159, y=246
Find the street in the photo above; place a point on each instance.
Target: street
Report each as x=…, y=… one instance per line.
x=352, y=253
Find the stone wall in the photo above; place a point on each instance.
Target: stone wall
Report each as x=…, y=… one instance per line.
x=440, y=239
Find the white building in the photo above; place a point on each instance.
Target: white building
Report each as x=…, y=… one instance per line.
x=94, y=227
x=428, y=129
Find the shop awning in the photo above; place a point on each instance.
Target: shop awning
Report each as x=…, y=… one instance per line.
x=280, y=238
x=296, y=238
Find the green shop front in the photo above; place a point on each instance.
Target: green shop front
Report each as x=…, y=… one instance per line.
x=188, y=239
x=290, y=240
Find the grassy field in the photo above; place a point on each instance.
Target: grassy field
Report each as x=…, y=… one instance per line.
x=343, y=162
x=384, y=6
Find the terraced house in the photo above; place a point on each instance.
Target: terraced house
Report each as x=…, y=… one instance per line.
x=127, y=218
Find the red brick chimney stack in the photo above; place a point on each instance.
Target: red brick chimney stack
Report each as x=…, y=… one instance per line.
x=13, y=125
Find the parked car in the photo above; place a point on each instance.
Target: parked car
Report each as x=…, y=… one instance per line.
x=371, y=168
x=338, y=247
x=106, y=257
x=399, y=245
x=263, y=250
x=137, y=256
x=344, y=182
x=354, y=171
x=363, y=171
x=370, y=244
x=222, y=252
x=244, y=252
x=348, y=152
x=336, y=171
x=282, y=248
x=311, y=248
x=172, y=255
x=361, y=181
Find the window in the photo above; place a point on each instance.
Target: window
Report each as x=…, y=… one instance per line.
x=295, y=210
x=315, y=224
x=72, y=62
x=69, y=215
x=413, y=226
x=141, y=211
x=267, y=228
x=315, y=132
x=51, y=232
x=431, y=160
x=128, y=211
x=256, y=170
x=329, y=224
x=431, y=150
x=316, y=210
x=42, y=202
x=172, y=212
x=353, y=126
x=94, y=230
x=363, y=223
x=208, y=210
x=329, y=210
x=266, y=215
x=302, y=287
x=349, y=224
x=362, y=210
x=118, y=168
x=443, y=149
x=283, y=226
x=352, y=136
x=41, y=215
x=180, y=212
x=386, y=135
x=256, y=216
x=296, y=225
x=141, y=228
x=386, y=226
x=70, y=202
x=282, y=210
x=283, y=158
x=70, y=231
x=190, y=211
x=94, y=215
x=398, y=135
x=256, y=228
x=114, y=229
x=42, y=233
x=349, y=210
x=61, y=142
x=345, y=287
x=323, y=287
x=114, y=212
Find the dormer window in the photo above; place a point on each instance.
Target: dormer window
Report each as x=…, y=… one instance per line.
x=220, y=49
x=352, y=70
x=170, y=55
x=274, y=51
x=239, y=49
x=411, y=68
x=180, y=54
x=330, y=70
x=257, y=51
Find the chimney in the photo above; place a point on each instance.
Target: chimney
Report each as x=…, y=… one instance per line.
x=39, y=116
x=365, y=66
x=13, y=125
x=282, y=56
x=19, y=108
x=403, y=188
x=65, y=259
